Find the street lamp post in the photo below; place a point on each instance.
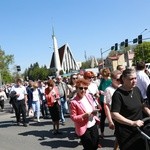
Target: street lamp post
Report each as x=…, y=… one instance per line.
x=142, y=46
x=143, y=31
x=102, y=58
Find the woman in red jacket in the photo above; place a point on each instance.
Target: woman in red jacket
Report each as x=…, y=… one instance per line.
x=52, y=97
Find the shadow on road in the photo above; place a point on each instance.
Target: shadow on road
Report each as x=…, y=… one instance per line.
x=65, y=139
x=6, y=124
x=61, y=143
x=35, y=123
x=106, y=142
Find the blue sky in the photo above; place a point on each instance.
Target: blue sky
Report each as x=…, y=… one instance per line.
x=86, y=25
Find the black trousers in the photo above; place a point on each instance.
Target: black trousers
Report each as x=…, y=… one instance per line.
x=90, y=138
x=20, y=108
x=2, y=104
x=103, y=118
x=44, y=109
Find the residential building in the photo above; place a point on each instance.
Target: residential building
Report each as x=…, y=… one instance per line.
x=119, y=59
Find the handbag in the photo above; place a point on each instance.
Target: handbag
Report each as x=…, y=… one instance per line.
x=31, y=112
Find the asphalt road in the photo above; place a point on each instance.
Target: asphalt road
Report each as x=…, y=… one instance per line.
x=39, y=135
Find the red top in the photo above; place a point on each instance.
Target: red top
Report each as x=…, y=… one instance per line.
x=51, y=96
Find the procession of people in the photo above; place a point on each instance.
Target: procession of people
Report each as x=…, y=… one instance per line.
x=121, y=96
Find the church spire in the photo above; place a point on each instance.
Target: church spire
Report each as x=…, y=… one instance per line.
x=53, y=32
x=56, y=54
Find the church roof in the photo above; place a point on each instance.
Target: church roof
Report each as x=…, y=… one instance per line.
x=61, y=51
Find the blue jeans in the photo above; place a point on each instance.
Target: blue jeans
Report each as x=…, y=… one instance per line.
x=36, y=108
x=63, y=108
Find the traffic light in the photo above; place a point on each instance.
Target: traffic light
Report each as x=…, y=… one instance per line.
x=116, y=46
x=122, y=44
x=140, y=39
x=126, y=43
x=18, y=68
x=135, y=40
x=112, y=48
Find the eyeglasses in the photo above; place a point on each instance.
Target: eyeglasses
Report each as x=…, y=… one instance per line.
x=74, y=78
x=81, y=88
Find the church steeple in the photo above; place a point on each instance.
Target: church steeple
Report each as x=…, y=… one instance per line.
x=56, y=54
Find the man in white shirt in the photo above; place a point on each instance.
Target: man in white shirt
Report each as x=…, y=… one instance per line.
x=142, y=79
x=21, y=101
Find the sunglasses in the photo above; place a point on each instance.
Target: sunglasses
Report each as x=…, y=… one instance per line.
x=74, y=78
x=81, y=88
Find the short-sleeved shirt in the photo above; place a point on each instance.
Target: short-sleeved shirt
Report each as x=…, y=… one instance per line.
x=129, y=105
x=142, y=82
x=103, y=85
x=21, y=90
x=108, y=95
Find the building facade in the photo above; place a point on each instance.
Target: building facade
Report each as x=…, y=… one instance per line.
x=119, y=59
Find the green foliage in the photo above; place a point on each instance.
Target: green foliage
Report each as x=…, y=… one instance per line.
x=7, y=77
x=86, y=64
x=5, y=61
x=61, y=72
x=142, y=52
x=34, y=72
x=112, y=53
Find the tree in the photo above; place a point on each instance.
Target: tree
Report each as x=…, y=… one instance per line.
x=5, y=61
x=87, y=63
x=34, y=72
x=142, y=52
x=112, y=53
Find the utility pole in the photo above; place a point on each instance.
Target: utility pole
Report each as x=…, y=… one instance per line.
x=102, y=55
x=102, y=58
x=141, y=41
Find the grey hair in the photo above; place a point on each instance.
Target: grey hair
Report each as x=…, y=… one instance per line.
x=127, y=72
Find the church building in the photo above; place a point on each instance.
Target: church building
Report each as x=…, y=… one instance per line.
x=62, y=59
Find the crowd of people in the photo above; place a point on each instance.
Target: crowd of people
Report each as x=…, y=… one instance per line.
x=122, y=96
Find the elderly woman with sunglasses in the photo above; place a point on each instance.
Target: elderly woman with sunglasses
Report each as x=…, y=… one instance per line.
x=127, y=111
x=83, y=114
